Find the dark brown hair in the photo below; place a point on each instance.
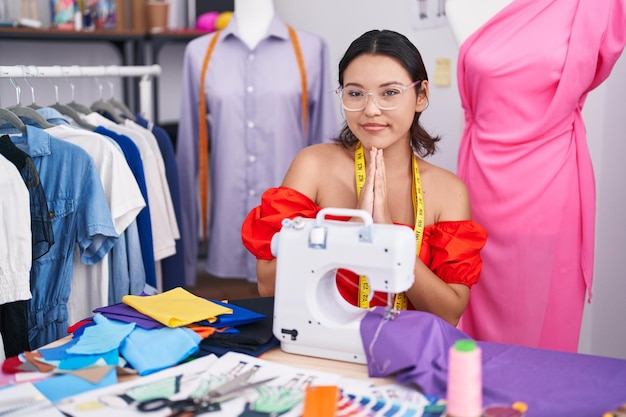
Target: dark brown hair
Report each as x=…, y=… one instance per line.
x=400, y=48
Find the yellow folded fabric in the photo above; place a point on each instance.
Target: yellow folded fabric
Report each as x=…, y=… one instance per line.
x=176, y=307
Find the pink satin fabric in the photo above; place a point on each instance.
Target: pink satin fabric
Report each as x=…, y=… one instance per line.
x=523, y=79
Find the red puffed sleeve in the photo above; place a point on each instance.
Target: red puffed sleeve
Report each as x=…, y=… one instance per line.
x=265, y=220
x=451, y=249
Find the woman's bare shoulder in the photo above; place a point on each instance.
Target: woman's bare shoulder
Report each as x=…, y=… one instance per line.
x=446, y=191
x=312, y=165
x=445, y=177
x=318, y=155
x=323, y=150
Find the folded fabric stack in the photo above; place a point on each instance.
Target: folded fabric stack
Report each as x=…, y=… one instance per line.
x=253, y=337
x=141, y=335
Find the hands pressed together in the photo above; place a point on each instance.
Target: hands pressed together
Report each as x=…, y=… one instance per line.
x=373, y=198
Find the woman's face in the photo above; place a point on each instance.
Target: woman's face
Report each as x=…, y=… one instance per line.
x=379, y=75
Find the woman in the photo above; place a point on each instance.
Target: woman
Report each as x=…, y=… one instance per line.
x=383, y=90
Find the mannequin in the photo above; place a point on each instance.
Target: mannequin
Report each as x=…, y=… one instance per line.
x=253, y=19
x=466, y=16
x=253, y=92
x=524, y=70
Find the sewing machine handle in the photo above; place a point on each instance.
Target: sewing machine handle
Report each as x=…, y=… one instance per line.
x=345, y=212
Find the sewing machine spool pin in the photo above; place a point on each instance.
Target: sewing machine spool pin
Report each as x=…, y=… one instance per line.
x=310, y=315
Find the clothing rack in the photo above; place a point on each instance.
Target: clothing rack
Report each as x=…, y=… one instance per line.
x=146, y=72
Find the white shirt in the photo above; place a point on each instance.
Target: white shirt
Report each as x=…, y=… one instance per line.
x=164, y=227
x=15, y=235
x=90, y=283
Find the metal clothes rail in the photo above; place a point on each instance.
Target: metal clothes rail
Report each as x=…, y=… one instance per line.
x=146, y=72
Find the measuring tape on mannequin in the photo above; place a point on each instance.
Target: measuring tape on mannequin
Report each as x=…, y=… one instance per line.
x=203, y=140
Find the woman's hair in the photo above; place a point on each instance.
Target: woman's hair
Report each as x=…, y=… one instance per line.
x=400, y=48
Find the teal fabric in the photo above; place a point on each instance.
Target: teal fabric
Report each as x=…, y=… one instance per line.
x=105, y=336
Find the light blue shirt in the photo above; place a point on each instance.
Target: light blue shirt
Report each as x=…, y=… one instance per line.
x=80, y=216
x=126, y=268
x=255, y=130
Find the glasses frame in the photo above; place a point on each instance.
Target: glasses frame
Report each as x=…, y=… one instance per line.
x=403, y=88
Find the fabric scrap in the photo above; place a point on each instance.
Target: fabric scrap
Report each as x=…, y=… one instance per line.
x=176, y=307
x=105, y=336
x=124, y=312
x=148, y=351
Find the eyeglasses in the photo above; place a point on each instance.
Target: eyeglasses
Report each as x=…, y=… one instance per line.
x=385, y=98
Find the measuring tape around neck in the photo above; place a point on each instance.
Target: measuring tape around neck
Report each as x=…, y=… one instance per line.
x=400, y=302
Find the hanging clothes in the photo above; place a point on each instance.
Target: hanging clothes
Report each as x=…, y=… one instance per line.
x=40, y=227
x=255, y=129
x=164, y=225
x=523, y=79
x=15, y=253
x=80, y=216
x=97, y=285
x=173, y=266
x=144, y=222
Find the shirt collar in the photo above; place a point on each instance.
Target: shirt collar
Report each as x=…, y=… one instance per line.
x=36, y=141
x=53, y=116
x=277, y=28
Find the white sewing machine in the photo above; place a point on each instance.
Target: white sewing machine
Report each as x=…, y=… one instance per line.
x=310, y=316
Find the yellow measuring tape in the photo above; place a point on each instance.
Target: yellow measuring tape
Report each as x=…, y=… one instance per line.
x=401, y=301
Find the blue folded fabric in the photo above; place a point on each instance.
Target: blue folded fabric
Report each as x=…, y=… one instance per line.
x=57, y=353
x=239, y=316
x=148, y=351
x=80, y=361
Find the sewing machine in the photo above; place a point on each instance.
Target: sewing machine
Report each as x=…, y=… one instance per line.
x=310, y=316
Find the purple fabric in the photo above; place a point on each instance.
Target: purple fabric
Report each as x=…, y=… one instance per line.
x=126, y=313
x=414, y=348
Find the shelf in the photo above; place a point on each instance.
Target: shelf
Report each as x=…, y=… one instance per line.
x=112, y=35
x=129, y=43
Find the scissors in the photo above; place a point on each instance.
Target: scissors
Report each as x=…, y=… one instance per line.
x=207, y=402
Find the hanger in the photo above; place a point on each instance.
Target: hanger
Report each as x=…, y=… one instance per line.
x=32, y=105
x=104, y=106
x=27, y=112
x=119, y=105
x=68, y=111
x=81, y=108
x=9, y=116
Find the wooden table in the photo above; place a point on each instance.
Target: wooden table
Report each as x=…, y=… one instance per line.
x=345, y=369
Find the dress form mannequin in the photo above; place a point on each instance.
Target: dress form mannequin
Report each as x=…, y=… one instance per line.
x=540, y=253
x=466, y=16
x=246, y=158
x=253, y=19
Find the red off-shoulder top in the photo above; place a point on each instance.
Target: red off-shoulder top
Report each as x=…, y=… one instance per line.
x=451, y=249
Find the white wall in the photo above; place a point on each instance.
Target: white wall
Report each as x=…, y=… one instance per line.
x=603, y=330
x=339, y=22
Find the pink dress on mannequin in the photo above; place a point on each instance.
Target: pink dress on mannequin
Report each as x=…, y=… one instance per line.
x=523, y=79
